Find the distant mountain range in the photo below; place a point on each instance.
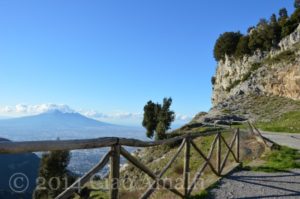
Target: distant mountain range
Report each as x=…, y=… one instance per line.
x=55, y=120
x=56, y=124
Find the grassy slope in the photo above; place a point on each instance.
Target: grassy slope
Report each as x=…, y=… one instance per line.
x=288, y=122
x=279, y=160
x=271, y=113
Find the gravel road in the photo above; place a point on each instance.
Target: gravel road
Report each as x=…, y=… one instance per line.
x=287, y=139
x=250, y=185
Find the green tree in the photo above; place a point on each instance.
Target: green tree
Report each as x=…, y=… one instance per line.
x=262, y=23
x=288, y=28
x=273, y=19
x=289, y=25
x=283, y=16
x=274, y=31
x=151, y=111
x=53, y=174
x=256, y=40
x=158, y=118
x=243, y=47
x=266, y=36
x=226, y=45
x=165, y=118
x=295, y=17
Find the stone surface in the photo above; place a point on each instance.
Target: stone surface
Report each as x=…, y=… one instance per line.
x=285, y=139
x=249, y=184
x=291, y=39
x=240, y=76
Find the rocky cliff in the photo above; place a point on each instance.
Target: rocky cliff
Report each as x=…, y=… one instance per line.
x=275, y=73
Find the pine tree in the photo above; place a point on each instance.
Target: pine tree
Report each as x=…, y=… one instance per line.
x=53, y=174
x=273, y=19
x=158, y=118
x=243, y=47
x=274, y=31
x=150, y=118
x=283, y=16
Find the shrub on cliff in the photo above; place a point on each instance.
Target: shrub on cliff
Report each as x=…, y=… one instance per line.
x=226, y=45
x=291, y=24
x=265, y=36
x=243, y=47
x=213, y=80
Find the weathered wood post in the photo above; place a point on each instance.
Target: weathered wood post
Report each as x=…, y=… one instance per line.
x=238, y=145
x=115, y=171
x=186, y=166
x=219, y=153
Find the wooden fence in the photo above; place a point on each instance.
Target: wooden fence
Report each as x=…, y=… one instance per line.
x=117, y=149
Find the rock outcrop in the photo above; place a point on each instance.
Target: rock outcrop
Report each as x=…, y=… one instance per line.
x=264, y=73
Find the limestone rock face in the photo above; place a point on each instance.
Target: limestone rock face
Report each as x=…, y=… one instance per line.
x=273, y=73
x=290, y=40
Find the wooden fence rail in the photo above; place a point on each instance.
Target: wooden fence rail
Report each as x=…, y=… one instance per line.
x=117, y=149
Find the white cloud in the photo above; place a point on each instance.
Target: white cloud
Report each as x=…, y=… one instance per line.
x=113, y=117
x=23, y=109
x=183, y=117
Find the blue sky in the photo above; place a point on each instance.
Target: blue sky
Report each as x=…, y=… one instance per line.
x=107, y=56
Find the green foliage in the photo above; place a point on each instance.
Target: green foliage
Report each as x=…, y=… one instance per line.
x=288, y=122
x=264, y=37
x=273, y=19
x=287, y=56
x=281, y=159
x=283, y=15
x=287, y=24
x=288, y=28
x=158, y=118
x=213, y=80
x=202, y=195
x=160, y=131
x=151, y=111
x=243, y=47
x=226, y=44
x=295, y=17
x=53, y=171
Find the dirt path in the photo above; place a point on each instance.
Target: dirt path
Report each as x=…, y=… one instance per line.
x=250, y=185
x=287, y=139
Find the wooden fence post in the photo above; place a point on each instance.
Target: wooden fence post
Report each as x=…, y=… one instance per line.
x=115, y=171
x=219, y=153
x=238, y=145
x=186, y=166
